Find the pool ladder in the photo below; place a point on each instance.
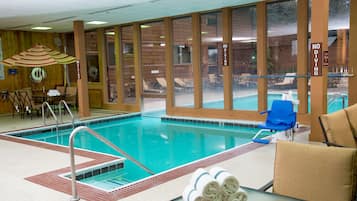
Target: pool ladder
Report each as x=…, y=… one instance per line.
x=335, y=97
x=75, y=196
x=52, y=113
x=62, y=102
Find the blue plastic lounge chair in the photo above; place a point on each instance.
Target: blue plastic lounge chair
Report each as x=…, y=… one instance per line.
x=281, y=117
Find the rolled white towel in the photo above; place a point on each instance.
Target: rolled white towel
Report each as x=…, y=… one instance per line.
x=226, y=180
x=205, y=185
x=240, y=195
x=190, y=194
x=186, y=192
x=195, y=196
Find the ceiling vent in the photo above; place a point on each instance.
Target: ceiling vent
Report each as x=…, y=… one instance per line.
x=20, y=26
x=110, y=9
x=59, y=19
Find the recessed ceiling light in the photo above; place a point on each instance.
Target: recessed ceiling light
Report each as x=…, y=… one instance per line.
x=110, y=33
x=162, y=36
x=143, y=26
x=41, y=28
x=96, y=22
x=204, y=32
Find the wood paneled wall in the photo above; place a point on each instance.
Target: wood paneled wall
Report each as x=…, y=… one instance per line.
x=13, y=42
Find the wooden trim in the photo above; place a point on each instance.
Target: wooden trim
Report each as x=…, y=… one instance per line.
x=319, y=33
x=196, y=59
x=93, y=85
x=102, y=60
x=218, y=113
x=82, y=84
x=227, y=70
x=341, y=57
x=118, y=64
x=352, y=81
x=302, y=54
x=137, y=62
x=170, y=99
x=262, y=55
x=122, y=107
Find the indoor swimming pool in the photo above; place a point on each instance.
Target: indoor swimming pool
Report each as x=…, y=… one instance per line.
x=160, y=145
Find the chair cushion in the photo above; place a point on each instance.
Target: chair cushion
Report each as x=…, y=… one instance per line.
x=312, y=172
x=338, y=129
x=352, y=117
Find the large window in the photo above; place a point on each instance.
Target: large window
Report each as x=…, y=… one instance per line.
x=211, y=63
x=153, y=66
x=153, y=56
x=111, y=78
x=128, y=72
x=244, y=58
x=339, y=20
x=183, y=72
x=92, y=56
x=282, y=47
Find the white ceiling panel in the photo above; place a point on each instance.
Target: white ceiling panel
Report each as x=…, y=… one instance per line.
x=24, y=14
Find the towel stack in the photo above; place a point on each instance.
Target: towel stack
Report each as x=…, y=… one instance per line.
x=53, y=92
x=215, y=185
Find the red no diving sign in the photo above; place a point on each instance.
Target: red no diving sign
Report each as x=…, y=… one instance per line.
x=316, y=59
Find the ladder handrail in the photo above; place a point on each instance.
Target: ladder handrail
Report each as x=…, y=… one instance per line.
x=335, y=97
x=75, y=196
x=68, y=110
x=53, y=114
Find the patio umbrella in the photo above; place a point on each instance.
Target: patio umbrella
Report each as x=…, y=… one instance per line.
x=38, y=56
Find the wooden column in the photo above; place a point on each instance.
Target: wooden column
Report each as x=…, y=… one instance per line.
x=170, y=99
x=352, y=81
x=319, y=34
x=137, y=63
x=102, y=55
x=262, y=55
x=82, y=83
x=118, y=64
x=196, y=59
x=227, y=70
x=302, y=54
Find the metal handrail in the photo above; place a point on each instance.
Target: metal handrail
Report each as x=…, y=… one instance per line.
x=53, y=114
x=75, y=196
x=335, y=97
x=68, y=110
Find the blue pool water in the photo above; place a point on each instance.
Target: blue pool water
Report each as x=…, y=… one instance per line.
x=250, y=103
x=159, y=145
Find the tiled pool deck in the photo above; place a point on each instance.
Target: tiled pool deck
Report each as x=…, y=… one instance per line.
x=30, y=171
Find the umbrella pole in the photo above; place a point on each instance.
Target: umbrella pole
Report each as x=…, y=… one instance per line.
x=66, y=76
